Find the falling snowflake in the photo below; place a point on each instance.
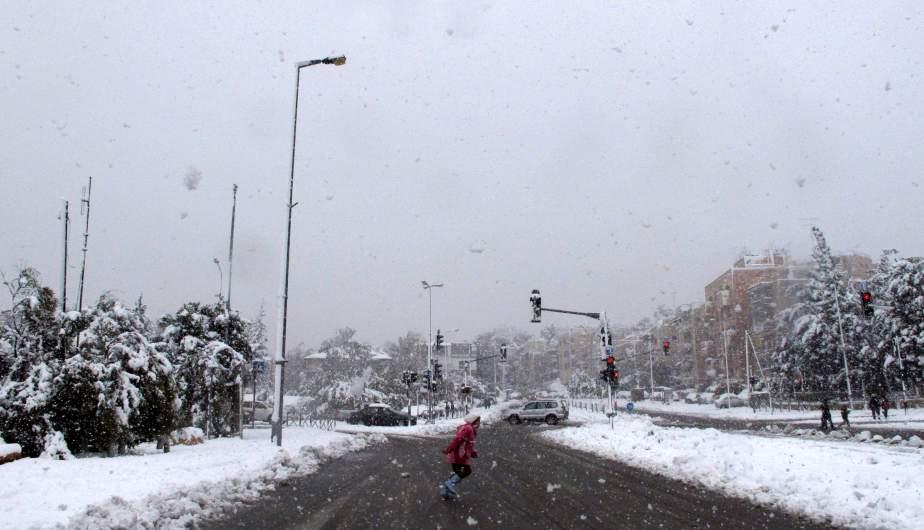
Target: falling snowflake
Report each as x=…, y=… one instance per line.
x=192, y=179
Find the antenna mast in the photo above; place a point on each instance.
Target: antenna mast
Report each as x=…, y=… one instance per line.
x=86, y=235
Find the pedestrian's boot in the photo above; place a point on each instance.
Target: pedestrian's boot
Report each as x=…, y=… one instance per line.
x=448, y=488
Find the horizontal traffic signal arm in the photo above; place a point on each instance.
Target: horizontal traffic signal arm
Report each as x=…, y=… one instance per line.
x=589, y=315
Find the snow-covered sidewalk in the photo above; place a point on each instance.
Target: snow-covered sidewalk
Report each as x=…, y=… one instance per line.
x=153, y=488
x=899, y=420
x=853, y=484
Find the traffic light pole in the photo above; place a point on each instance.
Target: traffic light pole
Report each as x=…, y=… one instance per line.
x=606, y=341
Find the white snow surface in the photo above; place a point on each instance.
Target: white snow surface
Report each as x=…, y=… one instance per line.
x=153, y=489
x=9, y=449
x=848, y=483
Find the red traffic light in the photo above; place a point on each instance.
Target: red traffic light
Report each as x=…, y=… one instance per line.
x=610, y=360
x=866, y=296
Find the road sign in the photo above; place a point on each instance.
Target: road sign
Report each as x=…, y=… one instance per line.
x=259, y=366
x=630, y=406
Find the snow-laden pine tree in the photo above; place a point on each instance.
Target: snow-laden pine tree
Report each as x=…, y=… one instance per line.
x=878, y=347
x=818, y=333
x=904, y=321
x=133, y=378
x=207, y=347
x=29, y=351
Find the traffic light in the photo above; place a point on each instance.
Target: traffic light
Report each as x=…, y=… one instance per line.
x=414, y=377
x=753, y=380
x=667, y=347
x=439, y=340
x=866, y=300
x=437, y=372
x=610, y=374
x=536, y=300
x=503, y=352
x=428, y=382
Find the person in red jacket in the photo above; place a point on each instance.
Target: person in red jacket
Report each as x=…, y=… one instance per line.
x=459, y=453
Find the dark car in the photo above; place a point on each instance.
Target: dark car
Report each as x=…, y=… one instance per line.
x=380, y=414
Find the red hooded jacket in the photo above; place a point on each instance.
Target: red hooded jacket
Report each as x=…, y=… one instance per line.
x=462, y=447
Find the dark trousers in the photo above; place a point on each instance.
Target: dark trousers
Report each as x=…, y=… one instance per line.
x=463, y=470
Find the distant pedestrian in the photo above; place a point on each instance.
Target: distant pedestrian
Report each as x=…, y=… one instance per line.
x=874, y=407
x=826, y=423
x=845, y=420
x=448, y=409
x=885, y=407
x=452, y=408
x=459, y=453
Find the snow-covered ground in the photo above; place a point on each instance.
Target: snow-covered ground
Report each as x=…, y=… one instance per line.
x=151, y=487
x=848, y=483
x=912, y=419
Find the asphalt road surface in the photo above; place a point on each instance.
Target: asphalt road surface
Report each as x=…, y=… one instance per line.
x=519, y=481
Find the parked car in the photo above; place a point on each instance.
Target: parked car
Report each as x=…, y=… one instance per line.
x=259, y=411
x=380, y=414
x=729, y=400
x=550, y=411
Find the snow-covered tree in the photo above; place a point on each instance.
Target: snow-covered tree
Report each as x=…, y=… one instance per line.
x=29, y=346
x=903, y=323
x=207, y=348
x=817, y=345
x=343, y=379
x=132, y=376
x=257, y=339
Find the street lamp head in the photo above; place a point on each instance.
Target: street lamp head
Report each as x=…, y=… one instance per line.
x=215, y=261
x=340, y=60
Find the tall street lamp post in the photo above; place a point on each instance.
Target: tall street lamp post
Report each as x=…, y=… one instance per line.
x=280, y=360
x=429, y=287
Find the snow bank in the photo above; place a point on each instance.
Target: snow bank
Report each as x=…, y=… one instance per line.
x=161, y=489
x=9, y=452
x=847, y=483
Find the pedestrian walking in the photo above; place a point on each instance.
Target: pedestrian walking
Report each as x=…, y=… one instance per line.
x=845, y=420
x=885, y=407
x=448, y=409
x=874, y=407
x=459, y=453
x=826, y=423
x=452, y=408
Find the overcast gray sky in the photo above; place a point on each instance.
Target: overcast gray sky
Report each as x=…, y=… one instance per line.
x=616, y=155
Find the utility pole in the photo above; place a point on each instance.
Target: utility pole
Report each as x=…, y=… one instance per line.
x=67, y=221
x=86, y=235
x=240, y=386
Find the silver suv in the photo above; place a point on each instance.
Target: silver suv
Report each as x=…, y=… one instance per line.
x=550, y=411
